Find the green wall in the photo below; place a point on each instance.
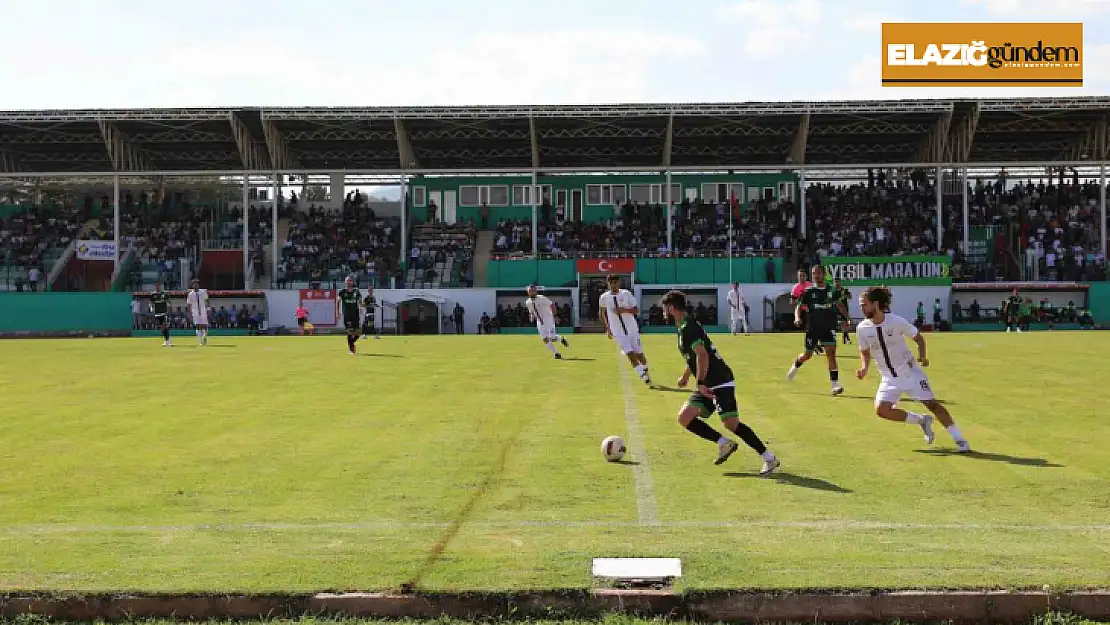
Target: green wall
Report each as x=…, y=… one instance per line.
x=55, y=312
x=590, y=213
x=1098, y=300
x=558, y=273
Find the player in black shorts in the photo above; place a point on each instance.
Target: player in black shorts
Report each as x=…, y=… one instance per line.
x=160, y=306
x=370, y=303
x=843, y=296
x=349, y=301
x=823, y=313
x=716, y=390
x=1013, y=311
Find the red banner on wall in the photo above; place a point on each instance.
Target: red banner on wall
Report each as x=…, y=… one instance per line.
x=596, y=266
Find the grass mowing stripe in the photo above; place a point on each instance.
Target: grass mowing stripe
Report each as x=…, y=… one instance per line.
x=827, y=524
x=646, y=507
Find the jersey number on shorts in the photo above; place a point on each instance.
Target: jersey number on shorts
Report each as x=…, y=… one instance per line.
x=924, y=385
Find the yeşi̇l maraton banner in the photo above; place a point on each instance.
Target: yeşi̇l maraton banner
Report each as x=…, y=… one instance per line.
x=889, y=270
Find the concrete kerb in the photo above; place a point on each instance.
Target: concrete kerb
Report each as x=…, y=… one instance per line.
x=715, y=606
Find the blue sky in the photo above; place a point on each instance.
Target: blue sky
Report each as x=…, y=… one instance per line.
x=129, y=53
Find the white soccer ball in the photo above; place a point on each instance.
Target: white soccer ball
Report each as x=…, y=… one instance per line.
x=613, y=448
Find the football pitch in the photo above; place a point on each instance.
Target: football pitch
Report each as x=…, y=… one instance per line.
x=452, y=463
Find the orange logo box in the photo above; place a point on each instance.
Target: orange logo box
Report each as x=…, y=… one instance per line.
x=982, y=55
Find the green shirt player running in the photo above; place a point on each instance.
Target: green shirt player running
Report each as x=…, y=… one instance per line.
x=716, y=390
x=349, y=301
x=823, y=312
x=160, y=307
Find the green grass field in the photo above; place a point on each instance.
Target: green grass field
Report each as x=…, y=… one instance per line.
x=284, y=464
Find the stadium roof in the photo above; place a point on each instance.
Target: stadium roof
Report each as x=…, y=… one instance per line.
x=678, y=137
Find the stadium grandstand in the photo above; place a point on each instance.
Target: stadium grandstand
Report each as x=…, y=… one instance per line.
x=1008, y=189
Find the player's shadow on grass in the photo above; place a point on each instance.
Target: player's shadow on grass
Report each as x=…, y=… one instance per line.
x=983, y=455
x=800, y=481
x=221, y=346
x=671, y=389
x=577, y=359
x=627, y=463
x=871, y=398
x=381, y=355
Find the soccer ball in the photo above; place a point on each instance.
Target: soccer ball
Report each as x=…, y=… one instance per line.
x=613, y=448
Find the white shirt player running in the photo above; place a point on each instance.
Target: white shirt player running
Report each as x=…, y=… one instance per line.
x=623, y=326
x=197, y=304
x=900, y=371
x=539, y=307
x=737, y=314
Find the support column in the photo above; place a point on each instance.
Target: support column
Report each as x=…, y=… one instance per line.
x=535, y=219
x=802, y=192
x=115, y=220
x=940, y=209
x=967, y=229
x=246, y=230
x=275, y=253
x=404, y=221
x=670, y=215
x=1102, y=206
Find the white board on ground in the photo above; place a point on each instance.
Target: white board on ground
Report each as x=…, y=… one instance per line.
x=646, y=569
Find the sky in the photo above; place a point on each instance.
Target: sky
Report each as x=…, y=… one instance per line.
x=135, y=54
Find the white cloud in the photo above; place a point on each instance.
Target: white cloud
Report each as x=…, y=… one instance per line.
x=775, y=27
x=1027, y=9
x=869, y=22
x=570, y=66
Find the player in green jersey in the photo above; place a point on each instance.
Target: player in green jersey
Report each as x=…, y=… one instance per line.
x=822, y=314
x=370, y=304
x=1013, y=311
x=716, y=387
x=160, y=307
x=349, y=301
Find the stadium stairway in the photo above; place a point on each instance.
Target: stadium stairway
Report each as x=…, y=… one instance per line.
x=483, y=248
x=282, y=234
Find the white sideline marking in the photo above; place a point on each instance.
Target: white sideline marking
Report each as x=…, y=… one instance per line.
x=828, y=524
x=646, y=508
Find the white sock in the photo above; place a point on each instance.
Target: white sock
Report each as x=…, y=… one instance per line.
x=913, y=418
x=551, y=348
x=955, y=432
x=198, y=334
x=768, y=456
x=723, y=441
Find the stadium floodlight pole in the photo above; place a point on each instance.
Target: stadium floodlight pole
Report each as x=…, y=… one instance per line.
x=246, y=229
x=274, y=253
x=535, y=212
x=1102, y=205
x=115, y=220
x=967, y=229
x=940, y=209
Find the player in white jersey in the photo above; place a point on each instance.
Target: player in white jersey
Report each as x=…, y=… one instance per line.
x=197, y=303
x=618, y=314
x=542, y=312
x=882, y=338
x=737, y=310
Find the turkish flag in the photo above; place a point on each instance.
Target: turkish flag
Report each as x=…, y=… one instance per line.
x=596, y=266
